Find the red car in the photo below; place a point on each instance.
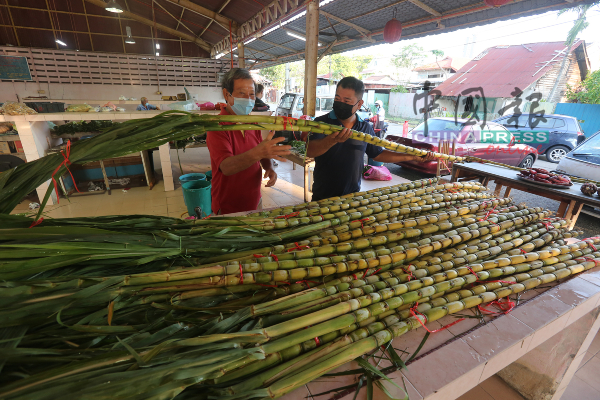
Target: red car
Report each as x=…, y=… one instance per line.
x=494, y=142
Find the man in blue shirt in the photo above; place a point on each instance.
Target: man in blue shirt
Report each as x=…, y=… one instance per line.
x=145, y=106
x=339, y=160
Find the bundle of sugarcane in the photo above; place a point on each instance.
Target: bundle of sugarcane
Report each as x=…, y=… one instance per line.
x=142, y=134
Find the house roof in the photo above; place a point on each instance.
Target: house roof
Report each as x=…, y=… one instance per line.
x=380, y=80
x=498, y=70
x=454, y=63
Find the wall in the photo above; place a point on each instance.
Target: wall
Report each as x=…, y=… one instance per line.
x=55, y=91
x=572, y=78
x=587, y=114
x=401, y=105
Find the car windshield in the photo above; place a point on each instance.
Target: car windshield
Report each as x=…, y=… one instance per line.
x=589, y=147
x=327, y=104
x=287, y=101
x=439, y=125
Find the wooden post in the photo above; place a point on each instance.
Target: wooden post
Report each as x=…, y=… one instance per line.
x=310, y=64
x=241, y=60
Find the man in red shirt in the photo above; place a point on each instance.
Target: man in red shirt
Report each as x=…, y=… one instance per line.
x=236, y=157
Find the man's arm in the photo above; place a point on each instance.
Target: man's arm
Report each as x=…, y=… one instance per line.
x=392, y=157
x=266, y=150
x=319, y=147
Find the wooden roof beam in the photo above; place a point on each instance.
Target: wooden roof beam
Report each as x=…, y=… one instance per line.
x=201, y=43
x=425, y=7
x=364, y=32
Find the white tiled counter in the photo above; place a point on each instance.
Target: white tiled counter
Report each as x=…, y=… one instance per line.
x=536, y=348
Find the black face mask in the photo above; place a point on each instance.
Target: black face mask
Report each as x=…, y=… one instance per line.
x=343, y=110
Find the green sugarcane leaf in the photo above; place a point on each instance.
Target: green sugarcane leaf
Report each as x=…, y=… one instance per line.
x=369, y=387
x=359, y=386
x=140, y=361
x=338, y=389
x=419, y=348
x=371, y=369
x=381, y=386
x=395, y=357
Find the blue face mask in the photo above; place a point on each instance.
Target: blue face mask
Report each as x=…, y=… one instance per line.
x=242, y=106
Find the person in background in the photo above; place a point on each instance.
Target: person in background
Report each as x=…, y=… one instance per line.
x=145, y=106
x=236, y=157
x=260, y=105
x=339, y=160
x=380, y=114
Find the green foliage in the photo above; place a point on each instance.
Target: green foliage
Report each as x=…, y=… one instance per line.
x=342, y=65
x=587, y=92
x=437, y=53
x=277, y=74
x=409, y=56
x=580, y=23
x=398, y=89
x=75, y=127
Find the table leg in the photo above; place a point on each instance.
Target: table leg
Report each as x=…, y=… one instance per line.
x=573, y=213
x=507, y=191
x=498, y=189
x=105, y=177
x=294, y=166
x=165, y=163
x=562, y=208
x=306, y=194
x=486, y=181
x=147, y=170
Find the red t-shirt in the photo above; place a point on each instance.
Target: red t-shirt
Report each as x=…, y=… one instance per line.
x=241, y=191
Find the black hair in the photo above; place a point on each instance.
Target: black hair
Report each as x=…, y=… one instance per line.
x=259, y=87
x=232, y=75
x=351, y=82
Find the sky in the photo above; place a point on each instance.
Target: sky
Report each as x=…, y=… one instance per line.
x=547, y=27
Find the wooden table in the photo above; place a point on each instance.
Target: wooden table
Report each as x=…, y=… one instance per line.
x=306, y=163
x=571, y=199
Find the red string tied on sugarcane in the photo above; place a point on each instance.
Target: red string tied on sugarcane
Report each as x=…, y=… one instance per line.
x=354, y=276
x=65, y=162
x=591, y=244
x=241, y=275
x=548, y=225
x=594, y=260
x=307, y=282
x=523, y=251
x=473, y=272
x=317, y=341
x=414, y=312
x=505, y=306
x=362, y=225
x=409, y=272
x=287, y=120
x=373, y=273
x=294, y=214
x=488, y=213
x=298, y=247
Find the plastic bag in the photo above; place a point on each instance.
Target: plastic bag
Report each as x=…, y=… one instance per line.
x=110, y=105
x=206, y=106
x=14, y=108
x=377, y=173
x=78, y=108
x=182, y=106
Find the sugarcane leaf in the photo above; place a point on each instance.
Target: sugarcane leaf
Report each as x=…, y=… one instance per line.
x=371, y=369
x=395, y=357
x=381, y=386
x=358, y=387
x=338, y=389
x=419, y=348
x=369, y=387
x=111, y=309
x=140, y=361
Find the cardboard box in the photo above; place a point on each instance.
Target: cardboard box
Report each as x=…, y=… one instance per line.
x=19, y=146
x=4, y=148
x=181, y=96
x=169, y=98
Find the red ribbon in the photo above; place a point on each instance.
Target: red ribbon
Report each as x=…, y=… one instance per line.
x=241, y=275
x=294, y=214
x=298, y=247
x=361, y=222
x=548, y=225
x=488, y=214
x=473, y=272
x=504, y=307
x=307, y=282
x=594, y=260
x=592, y=246
x=414, y=312
x=65, y=163
x=36, y=223
x=523, y=251
x=287, y=120
x=409, y=272
x=373, y=273
x=317, y=341
x=354, y=276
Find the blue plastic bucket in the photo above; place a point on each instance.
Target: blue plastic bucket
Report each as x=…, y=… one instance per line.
x=208, y=175
x=192, y=177
x=197, y=194
x=374, y=163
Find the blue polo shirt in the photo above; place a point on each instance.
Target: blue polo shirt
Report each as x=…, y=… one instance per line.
x=339, y=170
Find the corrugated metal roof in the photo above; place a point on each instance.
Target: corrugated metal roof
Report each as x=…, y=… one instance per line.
x=498, y=70
x=454, y=63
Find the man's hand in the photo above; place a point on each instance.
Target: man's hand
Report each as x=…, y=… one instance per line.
x=427, y=157
x=268, y=148
x=272, y=175
x=340, y=137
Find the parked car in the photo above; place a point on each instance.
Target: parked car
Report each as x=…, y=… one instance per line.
x=555, y=136
x=364, y=112
x=291, y=105
x=493, y=142
x=584, y=160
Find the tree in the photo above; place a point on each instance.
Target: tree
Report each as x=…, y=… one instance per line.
x=579, y=25
x=342, y=65
x=408, y=58
x=277, y=74
x=588, y=91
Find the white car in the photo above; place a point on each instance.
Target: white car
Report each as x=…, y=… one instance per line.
x=291, y=105
x=584, y=160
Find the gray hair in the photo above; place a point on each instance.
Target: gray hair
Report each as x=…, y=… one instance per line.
x=232, y=75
